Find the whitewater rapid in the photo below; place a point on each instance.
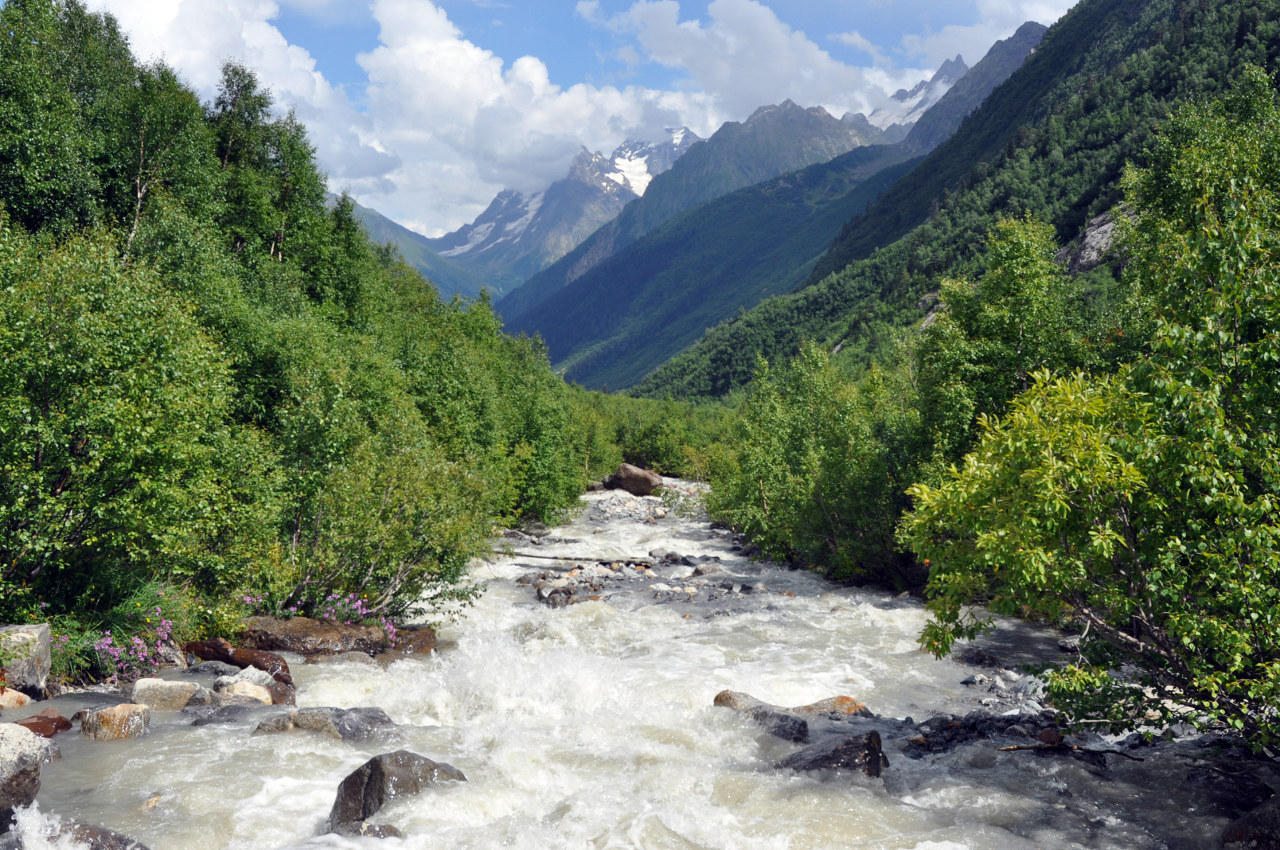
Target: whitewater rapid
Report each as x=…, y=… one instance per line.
x=592, y=726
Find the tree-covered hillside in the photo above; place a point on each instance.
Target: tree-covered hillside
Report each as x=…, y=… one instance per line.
x=1053, y=141
x=213, y=387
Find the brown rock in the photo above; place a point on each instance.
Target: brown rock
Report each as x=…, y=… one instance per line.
x=380, y=779
x=46, y=724
x=633, y=479
x=219, y=649
x=835, y=705
x=306, y=636
x=117, y=723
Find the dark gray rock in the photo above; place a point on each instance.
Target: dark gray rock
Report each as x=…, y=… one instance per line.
x=1258, y=830
x=854, y=752
x=212, y=668
x=380, y=779
x=92, y=837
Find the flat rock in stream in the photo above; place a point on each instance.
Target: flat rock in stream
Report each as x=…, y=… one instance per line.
x=305, y=636
x=345, y=724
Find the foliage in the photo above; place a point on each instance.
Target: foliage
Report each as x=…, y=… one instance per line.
x=211, y=382
x=819, y=468
x=1144, y=505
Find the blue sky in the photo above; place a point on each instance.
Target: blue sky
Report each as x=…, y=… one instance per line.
x=424, y=110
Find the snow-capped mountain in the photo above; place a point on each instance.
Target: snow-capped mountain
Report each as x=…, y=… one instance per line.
x=519, y=234
x=905, y=106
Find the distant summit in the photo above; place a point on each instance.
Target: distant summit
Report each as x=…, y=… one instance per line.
x=520, y=234
x=905, y=107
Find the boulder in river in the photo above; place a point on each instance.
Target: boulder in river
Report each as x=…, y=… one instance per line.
x=117, y=722
x=13, y=698
x=368, y=788
x=346, y=724
x=776, y=721
x=852, y=752
x=21, y=754
x=83, y=834
x=1258, y=830
x=306, y=636
x=633, y=479
x=47, y=723
x=164, y=695
x=27, y=653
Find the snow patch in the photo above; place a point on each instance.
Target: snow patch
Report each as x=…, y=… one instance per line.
x=633, y=172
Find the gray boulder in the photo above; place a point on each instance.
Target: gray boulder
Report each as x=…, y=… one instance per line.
x=24, y=655
x=380, y=779
x=22, y=752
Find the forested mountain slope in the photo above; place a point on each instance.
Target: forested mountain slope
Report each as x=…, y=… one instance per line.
x=1053, y=140
x=773, y=141
x=630, y=313
x=448, y=277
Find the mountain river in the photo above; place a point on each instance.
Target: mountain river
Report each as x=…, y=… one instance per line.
x=592, y=725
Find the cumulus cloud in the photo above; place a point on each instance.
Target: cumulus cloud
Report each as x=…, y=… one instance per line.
x=744, y=56
x=444, y=123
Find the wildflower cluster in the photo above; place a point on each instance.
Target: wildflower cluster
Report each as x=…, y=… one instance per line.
x=348, y=610
x=136, y=656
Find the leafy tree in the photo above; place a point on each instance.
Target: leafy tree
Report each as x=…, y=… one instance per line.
x=1145, y=505
x=111, y=403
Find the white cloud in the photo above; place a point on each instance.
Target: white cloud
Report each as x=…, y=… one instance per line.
x=445, y=123
x=434, y=96
x=995, y=19
x=744, y=56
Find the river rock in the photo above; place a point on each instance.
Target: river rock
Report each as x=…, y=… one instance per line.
x=411, y=640
x=27, y=658
x=774, y=720
x=853, y=752
x=306, y=636
x=164, y=695
x=117, y=723
x=219, y=649
x=21, y=754
x=257, y=684
x=13, y=698
x=82, y=834
x=382, y=778
x=633, y=479
x=351, y=724
x=1258, y=830
x=841, y=706
x=47, y=723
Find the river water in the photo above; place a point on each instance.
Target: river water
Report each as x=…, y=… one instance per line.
x=592, y=726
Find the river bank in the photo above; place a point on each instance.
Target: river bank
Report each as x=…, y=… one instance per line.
x=578, y=697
